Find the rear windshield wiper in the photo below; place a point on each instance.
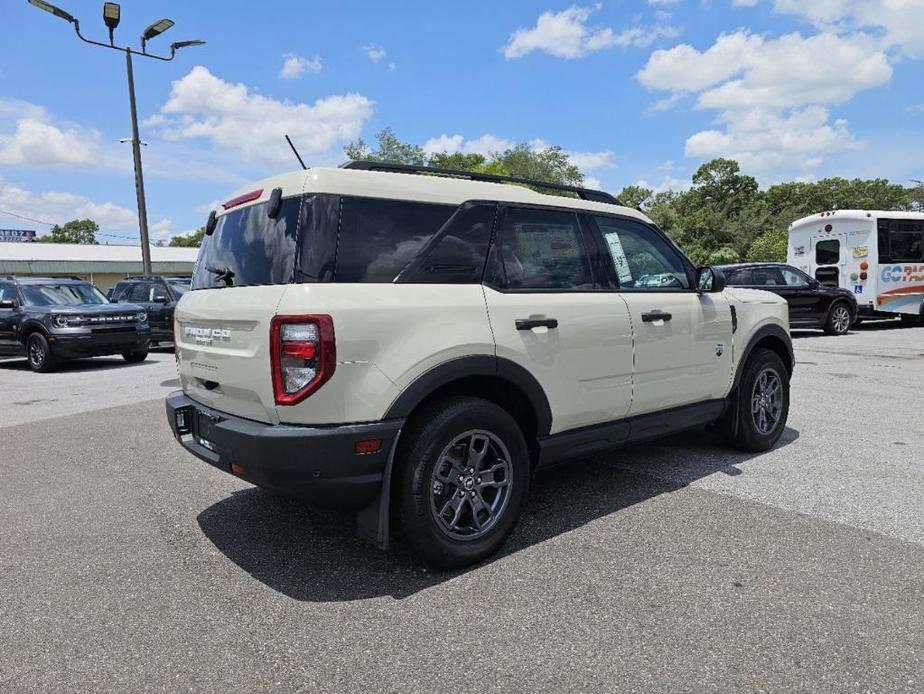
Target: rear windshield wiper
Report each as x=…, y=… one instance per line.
x=226, y=275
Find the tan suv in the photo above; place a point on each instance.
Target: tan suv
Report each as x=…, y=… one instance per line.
x=417, y=342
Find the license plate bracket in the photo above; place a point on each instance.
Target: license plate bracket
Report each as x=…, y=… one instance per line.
x=205, y=430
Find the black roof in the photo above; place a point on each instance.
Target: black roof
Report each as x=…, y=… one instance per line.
x=582, y=193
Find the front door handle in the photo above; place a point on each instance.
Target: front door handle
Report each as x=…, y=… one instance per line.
x=530, y=323
x=656, y=315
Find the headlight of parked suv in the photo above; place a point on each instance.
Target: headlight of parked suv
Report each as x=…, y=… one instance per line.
x=65, y=321
x=142, y=317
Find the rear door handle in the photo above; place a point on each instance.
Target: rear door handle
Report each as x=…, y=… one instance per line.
x=656, y=315
x=530, y=323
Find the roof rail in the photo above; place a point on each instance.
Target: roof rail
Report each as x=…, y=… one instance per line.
x=582, y=193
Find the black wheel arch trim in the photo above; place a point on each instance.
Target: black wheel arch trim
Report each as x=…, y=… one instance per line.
x=774, y=331
x=475, y=365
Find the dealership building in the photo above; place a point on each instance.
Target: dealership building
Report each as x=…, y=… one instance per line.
x=100, y=264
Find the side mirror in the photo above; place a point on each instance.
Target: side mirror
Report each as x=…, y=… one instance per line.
x=710, y=280
x=9, y=304
x=813, y=283
x=161, y=300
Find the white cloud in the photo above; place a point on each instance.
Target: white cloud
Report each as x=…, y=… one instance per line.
x=487, y=144
x=236, y=119
x=35, y=141
x=592, y=182
x=59, y=207
x=374, y=52
x=764, y=140
x=900, y=22
x=592, y=161
x=294, y=66
x=744, y=3
x=667, y=184
x=770, y=94
x=565, y=34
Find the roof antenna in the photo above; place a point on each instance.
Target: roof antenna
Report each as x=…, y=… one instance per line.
x=295, y=151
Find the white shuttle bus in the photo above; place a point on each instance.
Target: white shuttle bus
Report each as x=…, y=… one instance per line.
x=879, y=256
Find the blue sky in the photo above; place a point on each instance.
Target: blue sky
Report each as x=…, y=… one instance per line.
x=639, y=91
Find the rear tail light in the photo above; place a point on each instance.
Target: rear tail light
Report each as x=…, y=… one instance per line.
x=303, y=356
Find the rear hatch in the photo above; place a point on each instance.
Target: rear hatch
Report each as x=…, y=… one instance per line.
x=222, y=325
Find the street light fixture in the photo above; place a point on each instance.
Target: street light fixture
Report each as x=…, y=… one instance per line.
x=156, y=29
x=111, y=16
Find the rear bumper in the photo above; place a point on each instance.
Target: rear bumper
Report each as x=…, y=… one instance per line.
x=317, y=463
x=97, y=345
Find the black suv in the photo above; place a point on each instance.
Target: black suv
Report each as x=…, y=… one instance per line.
x=157, y=296
x=811, y=303
x=48, y=319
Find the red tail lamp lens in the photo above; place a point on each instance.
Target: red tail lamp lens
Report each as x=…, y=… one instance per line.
x=828, y=228
x=302, y=356
x=863, y=275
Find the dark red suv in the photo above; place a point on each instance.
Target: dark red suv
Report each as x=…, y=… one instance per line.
x=811, y=304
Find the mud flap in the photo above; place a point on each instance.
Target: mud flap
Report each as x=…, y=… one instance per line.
x=374, y=521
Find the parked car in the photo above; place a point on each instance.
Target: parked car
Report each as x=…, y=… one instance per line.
x=49, y=319
x=414, y=341
x=157, y=296
x=811, y=303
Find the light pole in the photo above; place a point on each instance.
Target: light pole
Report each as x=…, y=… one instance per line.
x=111, y=16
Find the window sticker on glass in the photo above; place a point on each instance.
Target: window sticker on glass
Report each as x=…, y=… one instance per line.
x=619, y=257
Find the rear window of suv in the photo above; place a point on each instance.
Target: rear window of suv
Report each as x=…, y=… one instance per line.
x=248, y=247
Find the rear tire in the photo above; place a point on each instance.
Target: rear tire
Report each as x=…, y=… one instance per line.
x=763, y=403
x=135, y=357
x=839, y=319
x=39, y=354
x=463, y=477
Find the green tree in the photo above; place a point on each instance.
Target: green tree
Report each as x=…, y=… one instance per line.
x=770, y=247
x=635, y=197
x=390, y=150
x=82, y=231
x=191, y=240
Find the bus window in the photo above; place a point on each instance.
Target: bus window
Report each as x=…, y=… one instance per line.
x=828, y=252
x=901, y=241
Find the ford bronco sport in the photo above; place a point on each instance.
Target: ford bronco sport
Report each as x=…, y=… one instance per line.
x=50, y=319
x=413, y=343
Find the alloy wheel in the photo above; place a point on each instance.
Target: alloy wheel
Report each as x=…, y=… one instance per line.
x=36, y=353
x=841, y=319
x=767, y=401
x=470, y=485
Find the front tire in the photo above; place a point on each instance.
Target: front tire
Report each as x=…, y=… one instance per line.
x=135, y=357
x=839, y=319
x=39, y=354
x=763, y=402
x=463, y=479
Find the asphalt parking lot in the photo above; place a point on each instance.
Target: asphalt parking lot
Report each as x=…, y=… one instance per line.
x=127, y=565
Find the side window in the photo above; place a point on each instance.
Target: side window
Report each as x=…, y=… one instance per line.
x=739, y=278
x=767, y=277
x=378, y=238
x=457, y=253
x=641, y=258
x=8, y=292
x=794, y=279
x=828, y=252
x=543, y=249
x=907, y=243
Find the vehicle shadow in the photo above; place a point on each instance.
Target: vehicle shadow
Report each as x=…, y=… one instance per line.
x=75, y=365
x=313, y=554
